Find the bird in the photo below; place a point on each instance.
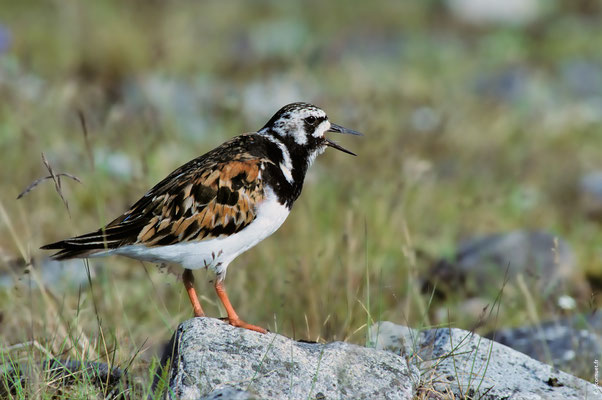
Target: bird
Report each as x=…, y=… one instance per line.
x=218, y=205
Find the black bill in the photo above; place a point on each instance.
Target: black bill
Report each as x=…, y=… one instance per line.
x=346, y=131
x=340, y=129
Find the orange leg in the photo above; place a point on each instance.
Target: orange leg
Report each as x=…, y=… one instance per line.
x=188, y=280
x=232, y=316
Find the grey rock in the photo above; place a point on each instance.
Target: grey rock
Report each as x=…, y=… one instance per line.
x=571, y=344
x=229, y=393
x=496, y=12
x=545, y=261
x=582, y=77
x=210, y=355
x=590, y=190
x=5, y=38
x=510, y=84
x=399, y=339
x=470, y=366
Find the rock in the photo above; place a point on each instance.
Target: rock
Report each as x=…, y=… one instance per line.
x=510, y=84
x=210, y=355
x=5, y=39
x=590, y=189
x=229, y=393
x=496, y=12
x=582, y=78
x=469, y=366
x=570, y=344
x=546, y=262
x=395, y=338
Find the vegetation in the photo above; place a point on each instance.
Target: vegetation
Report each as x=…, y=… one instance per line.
x=468, y=130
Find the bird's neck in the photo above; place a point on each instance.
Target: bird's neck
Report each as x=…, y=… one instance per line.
x=291, y=162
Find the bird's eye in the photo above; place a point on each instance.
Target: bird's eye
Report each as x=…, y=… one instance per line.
x=310, y=120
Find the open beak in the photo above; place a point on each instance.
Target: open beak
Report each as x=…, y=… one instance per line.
x=340, y=129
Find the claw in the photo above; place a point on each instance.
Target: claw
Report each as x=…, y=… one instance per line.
x=242, y=324
x=232, y=316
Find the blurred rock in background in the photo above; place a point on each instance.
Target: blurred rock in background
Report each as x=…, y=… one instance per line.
x=566, y=343
x=483, y=264
x=591, y=194
x=500, y=12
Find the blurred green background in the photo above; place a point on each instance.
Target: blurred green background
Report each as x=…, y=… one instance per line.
x=476, y=121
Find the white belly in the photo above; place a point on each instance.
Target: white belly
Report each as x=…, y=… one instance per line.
x=213, y=253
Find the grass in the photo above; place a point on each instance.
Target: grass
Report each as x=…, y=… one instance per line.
x=451, y=150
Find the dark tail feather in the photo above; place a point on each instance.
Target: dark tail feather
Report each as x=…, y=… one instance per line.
x=66, y=254
x=75, y=248
x=94, y=242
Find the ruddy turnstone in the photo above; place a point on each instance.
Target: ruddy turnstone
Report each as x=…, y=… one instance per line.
x=219, y=205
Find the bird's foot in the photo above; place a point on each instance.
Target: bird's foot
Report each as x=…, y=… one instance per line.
x=239, y=323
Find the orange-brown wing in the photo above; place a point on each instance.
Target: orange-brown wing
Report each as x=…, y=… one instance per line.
x=219, y=201
x=203, y=199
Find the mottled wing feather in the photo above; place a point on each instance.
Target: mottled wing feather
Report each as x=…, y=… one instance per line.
x=214, y=195
x=219, y=201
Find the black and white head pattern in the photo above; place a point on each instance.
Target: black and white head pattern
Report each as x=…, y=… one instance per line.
x=298, y=129
x=302, y=124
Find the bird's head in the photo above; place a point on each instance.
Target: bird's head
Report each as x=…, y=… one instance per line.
x=305, y=125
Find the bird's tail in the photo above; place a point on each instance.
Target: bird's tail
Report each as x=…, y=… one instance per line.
x=92, y=243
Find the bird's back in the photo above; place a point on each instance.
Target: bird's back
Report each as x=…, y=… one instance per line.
x=212, y=196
